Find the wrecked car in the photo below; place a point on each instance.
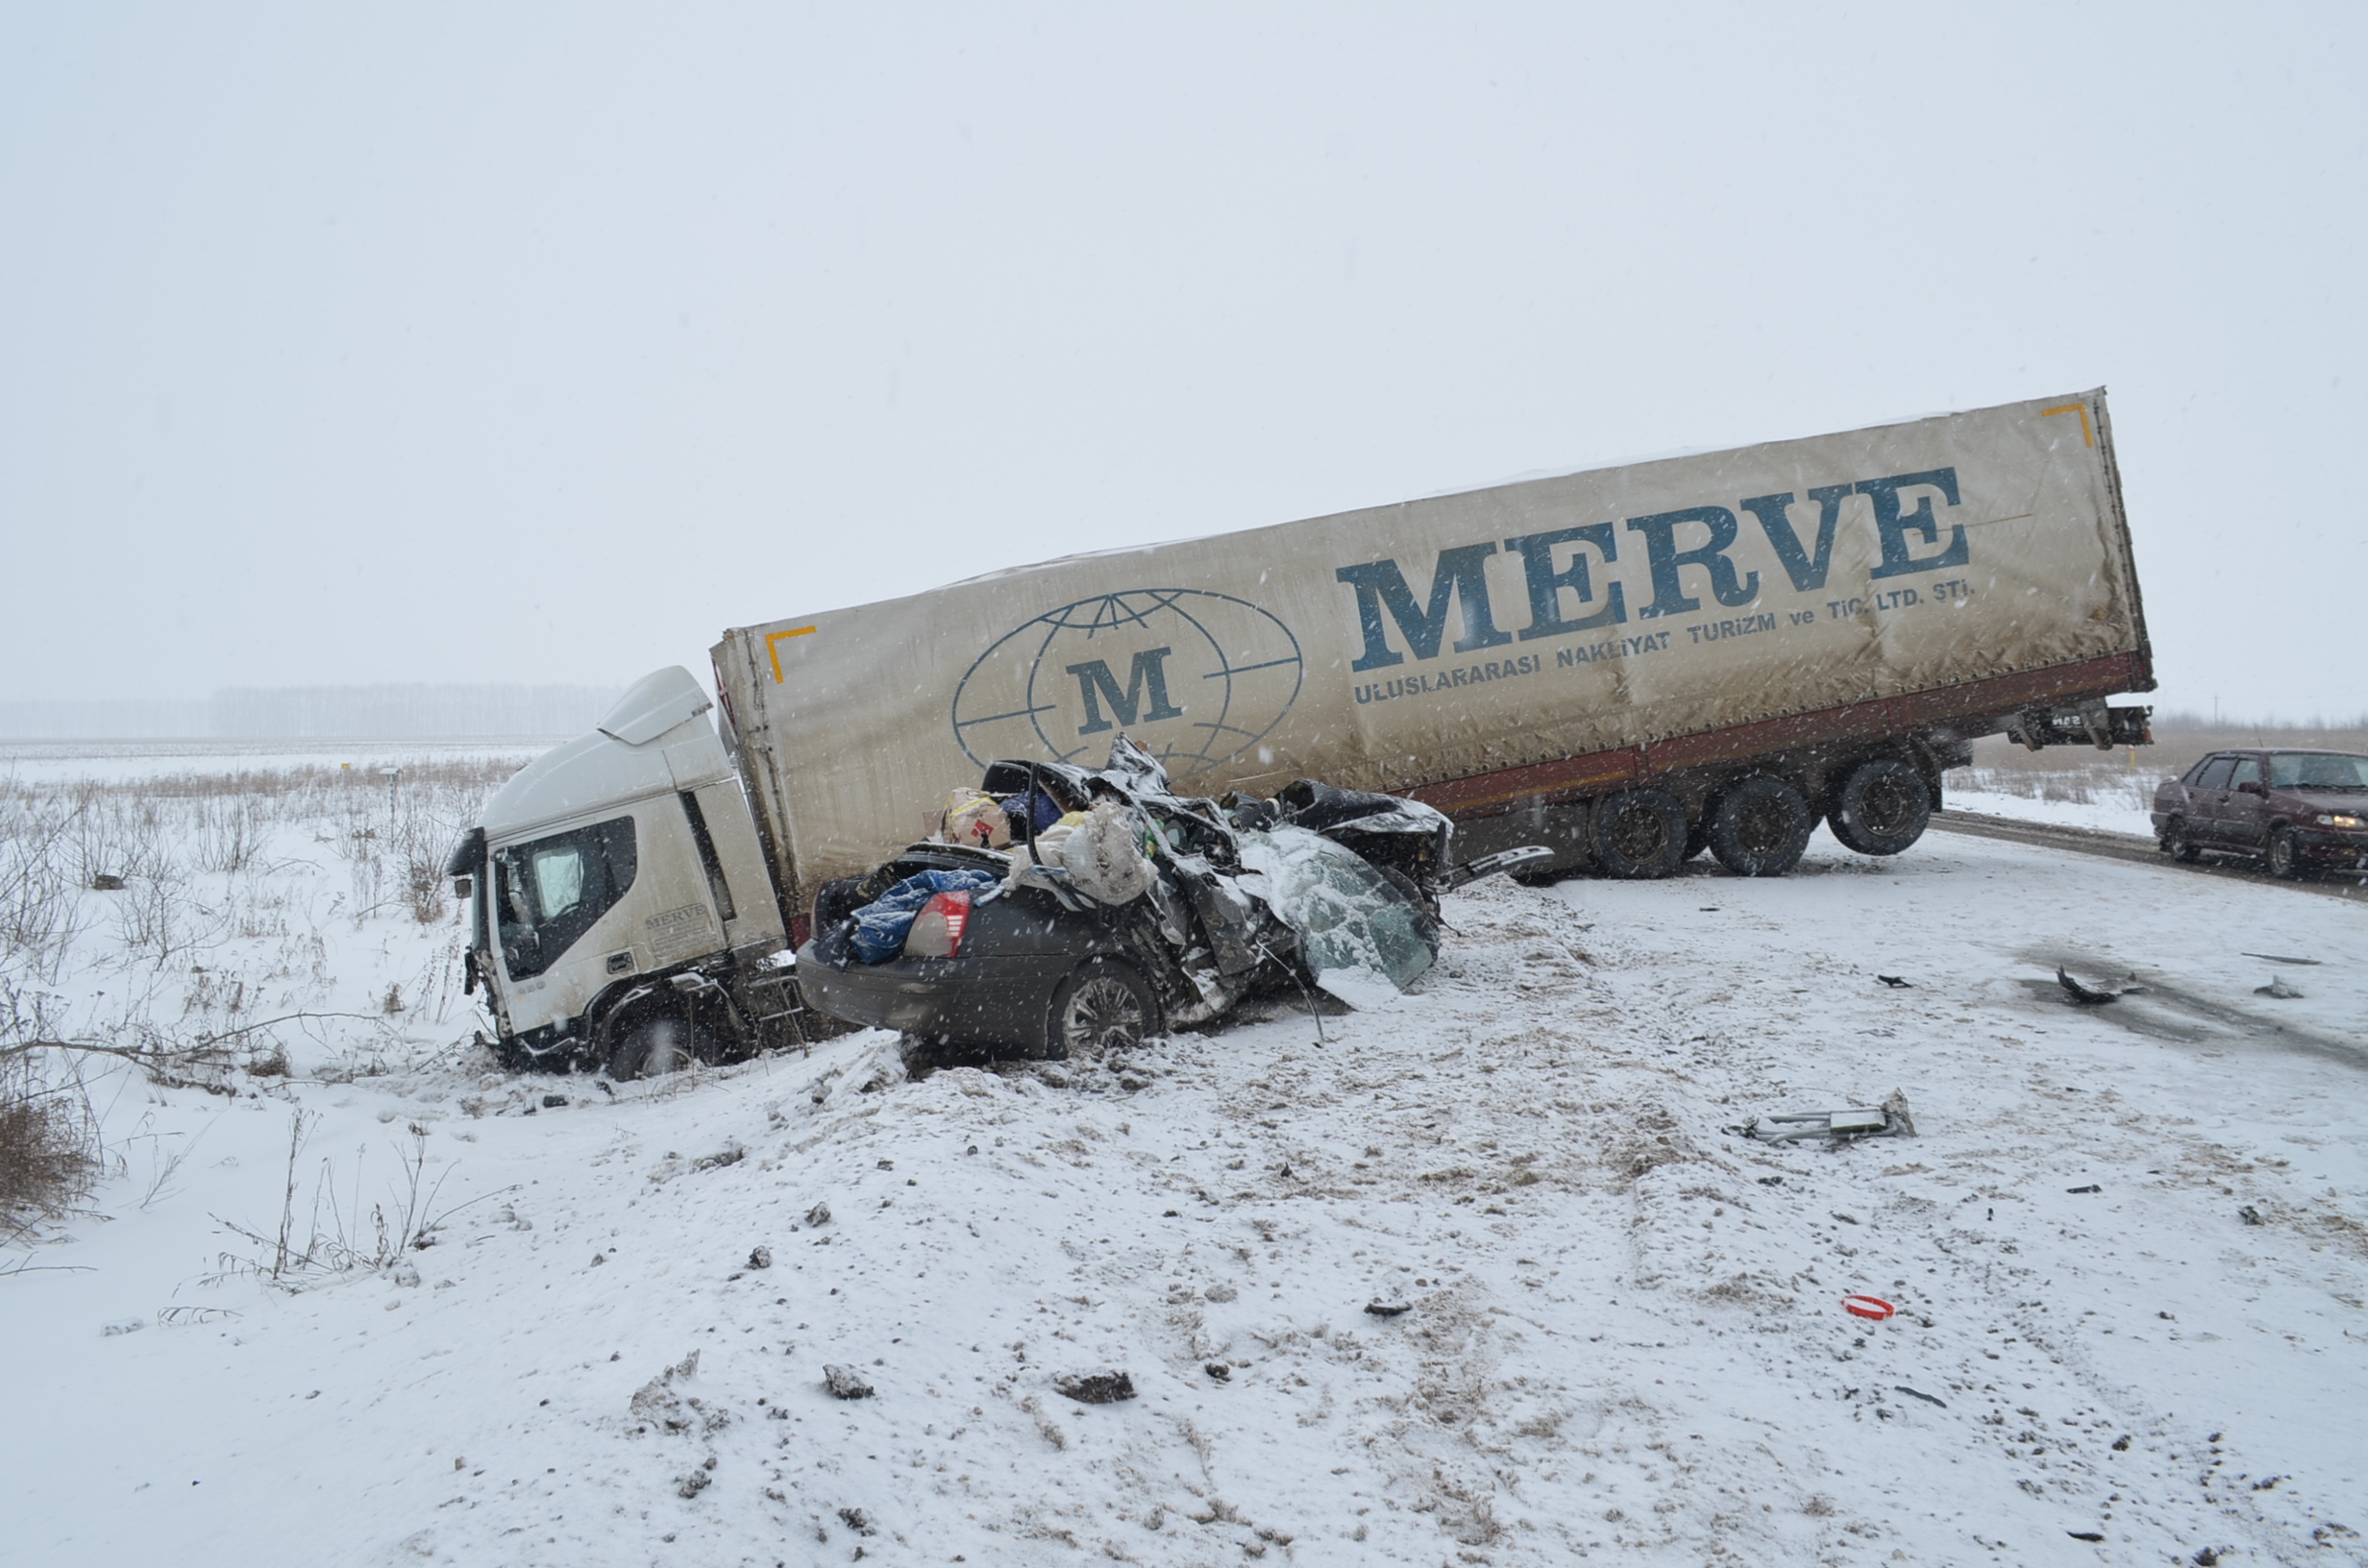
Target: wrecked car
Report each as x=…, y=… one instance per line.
x=1096, y=908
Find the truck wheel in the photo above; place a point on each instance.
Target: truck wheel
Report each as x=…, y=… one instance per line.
x=1103, y=1005
x=1760, y=827
x=2176, y=845
x=2286, y=861
x=1639, y=833
x=661, y=1044
x=1881, y=808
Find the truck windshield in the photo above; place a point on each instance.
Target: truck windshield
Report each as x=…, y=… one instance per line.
x=549, y=891
x=2304, y=770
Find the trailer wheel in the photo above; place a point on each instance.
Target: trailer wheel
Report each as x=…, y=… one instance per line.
x=1760, y=827
x=661, y=1044
x=1881, y=808
x=1638, y=834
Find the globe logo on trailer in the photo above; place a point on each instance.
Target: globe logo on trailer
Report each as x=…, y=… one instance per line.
x=1197, y=678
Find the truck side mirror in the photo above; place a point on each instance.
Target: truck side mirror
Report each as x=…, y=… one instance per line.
x=465, y=887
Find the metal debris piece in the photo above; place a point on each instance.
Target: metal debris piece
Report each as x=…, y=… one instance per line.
x=1917, y=1393
x=1895, y=982
x=1387, y=1308
x=2280, y=958
x=2277, y=987
x=2083, y=994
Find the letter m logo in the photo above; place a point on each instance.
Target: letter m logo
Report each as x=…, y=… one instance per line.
x=1097, y=685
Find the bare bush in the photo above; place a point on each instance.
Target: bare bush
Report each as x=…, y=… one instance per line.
x=49, y=1138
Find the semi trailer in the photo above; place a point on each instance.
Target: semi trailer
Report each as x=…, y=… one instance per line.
x=1629, y=666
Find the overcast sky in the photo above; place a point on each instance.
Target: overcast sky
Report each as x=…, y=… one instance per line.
x=345, y=344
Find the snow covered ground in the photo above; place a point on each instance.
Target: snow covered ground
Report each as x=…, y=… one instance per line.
x=2114, y=803
x=1624, y=1336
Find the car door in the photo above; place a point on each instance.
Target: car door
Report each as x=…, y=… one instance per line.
x=2245, y=814
x=2205, y=797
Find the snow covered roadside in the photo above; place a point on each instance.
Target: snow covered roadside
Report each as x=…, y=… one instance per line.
x=2109, y=815
x=1624, y=1329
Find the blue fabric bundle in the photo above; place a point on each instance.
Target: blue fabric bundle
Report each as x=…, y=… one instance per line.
x=882, y=925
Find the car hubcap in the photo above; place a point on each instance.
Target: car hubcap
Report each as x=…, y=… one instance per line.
x=1103, y=1013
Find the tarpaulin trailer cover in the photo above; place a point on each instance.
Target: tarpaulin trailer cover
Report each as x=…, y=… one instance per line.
x=1463, y=647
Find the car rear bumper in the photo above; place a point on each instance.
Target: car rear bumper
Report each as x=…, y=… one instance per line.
x=969, y=1001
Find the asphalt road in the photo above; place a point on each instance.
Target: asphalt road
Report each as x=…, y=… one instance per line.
x=2088, y=841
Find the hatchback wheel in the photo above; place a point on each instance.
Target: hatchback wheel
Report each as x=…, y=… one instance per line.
x=2176, y=845
x=1103, y=1006
x=2286, y=861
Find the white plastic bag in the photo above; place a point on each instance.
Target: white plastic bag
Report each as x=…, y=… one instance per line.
x=1102, y=859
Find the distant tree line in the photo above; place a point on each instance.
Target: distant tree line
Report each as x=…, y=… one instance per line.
x=406, y=712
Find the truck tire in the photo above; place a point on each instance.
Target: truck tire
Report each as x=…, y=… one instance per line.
x=1103, y=1006
x=2176, y=843
x=660, y=1043
x=1882, y=807
x=1638, y=834
x=1760, y=827
x=1697, y=838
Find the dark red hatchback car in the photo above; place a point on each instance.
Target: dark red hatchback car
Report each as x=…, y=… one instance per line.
x=2294, y=809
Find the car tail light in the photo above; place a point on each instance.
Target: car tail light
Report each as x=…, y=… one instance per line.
x=937, y=930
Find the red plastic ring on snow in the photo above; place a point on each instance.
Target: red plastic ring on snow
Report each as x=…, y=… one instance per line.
x=1874, y=1307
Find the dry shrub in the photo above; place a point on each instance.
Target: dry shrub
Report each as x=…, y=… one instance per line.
x=48, y=1143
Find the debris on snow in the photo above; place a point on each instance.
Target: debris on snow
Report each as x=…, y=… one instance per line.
x=761, y=1258
x=2278, y=988
x=1097, y=1387
x=2081, y=994
x=1387, y=1309
x=1891, y=1120
x=845, y=1383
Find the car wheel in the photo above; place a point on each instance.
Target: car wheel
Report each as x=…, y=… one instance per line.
x=1760, y=827
x=660, y=1043
x=1882, y=807
x=2286, y=861
x=1103, y=1006
x=1638, y=834
x=2176, y=845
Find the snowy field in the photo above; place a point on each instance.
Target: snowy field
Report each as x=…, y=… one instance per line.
x=2128, y=1245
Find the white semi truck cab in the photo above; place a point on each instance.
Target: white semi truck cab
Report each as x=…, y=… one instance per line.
x=621, y=912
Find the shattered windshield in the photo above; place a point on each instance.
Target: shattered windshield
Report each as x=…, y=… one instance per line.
x=1364, y=939
x=2316, y=770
